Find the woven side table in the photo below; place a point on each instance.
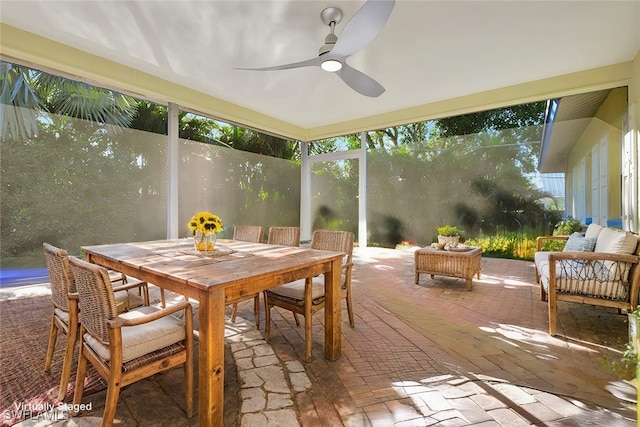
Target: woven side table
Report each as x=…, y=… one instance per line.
x=448, y=263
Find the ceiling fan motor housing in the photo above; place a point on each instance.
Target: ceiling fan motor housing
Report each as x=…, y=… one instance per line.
x=329, y=42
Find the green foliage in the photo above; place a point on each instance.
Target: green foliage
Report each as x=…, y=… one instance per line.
x=83, y=101
x=85, y=185
x=626, y=367
x=566, y=227
x=16, y=89
x=511, y=246
x=35, y=92
x=502, y=118
x=630, y=356
x=153, y=118
x=471, y=170
x=553, y=245
x=449, y=231
x=481, y=189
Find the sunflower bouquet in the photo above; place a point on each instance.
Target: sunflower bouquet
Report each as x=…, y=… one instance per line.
x=204, y=226
x=205, y=222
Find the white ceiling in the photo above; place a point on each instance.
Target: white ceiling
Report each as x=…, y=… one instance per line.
x=429, y=51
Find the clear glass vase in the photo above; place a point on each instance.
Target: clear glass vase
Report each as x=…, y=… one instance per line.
x=204, y=242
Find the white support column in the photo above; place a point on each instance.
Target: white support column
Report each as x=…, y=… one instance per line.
x=172, y=171
x=362, y=192
x=631, y=155
x=305, y=192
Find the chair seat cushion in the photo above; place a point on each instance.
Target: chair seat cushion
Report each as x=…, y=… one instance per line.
x=294, y=292
x=126, y=300
x=116, y=277
x=62, y=315
x=142, y=339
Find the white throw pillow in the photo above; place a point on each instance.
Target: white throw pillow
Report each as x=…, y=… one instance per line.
x=616, y=242
x=593, y=230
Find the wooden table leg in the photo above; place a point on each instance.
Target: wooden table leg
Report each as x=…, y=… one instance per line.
x=211, y=359
x=333, y=312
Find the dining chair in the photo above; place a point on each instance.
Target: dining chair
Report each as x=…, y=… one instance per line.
x=248, y=233
x=287, y=236
x=253, y=234
x=307, y=296
x=65, y=306
x=127, y=347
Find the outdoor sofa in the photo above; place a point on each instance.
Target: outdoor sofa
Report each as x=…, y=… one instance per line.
x=598, y=267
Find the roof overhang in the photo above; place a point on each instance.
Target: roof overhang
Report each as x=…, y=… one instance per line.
x=565, y=122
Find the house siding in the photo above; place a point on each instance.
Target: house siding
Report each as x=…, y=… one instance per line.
x=601, y=137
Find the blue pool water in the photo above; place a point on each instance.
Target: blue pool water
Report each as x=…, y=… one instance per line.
x=10, y=278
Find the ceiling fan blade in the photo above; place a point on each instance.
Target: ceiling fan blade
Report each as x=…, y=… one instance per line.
x=307, y=63
x=363, y=27
x=360, y=82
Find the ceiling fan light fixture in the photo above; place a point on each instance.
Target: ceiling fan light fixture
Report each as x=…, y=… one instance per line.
x=331, y=65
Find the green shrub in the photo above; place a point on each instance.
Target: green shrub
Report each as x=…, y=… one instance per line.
x=512, y=246
x=567, y=227
x=553, y=245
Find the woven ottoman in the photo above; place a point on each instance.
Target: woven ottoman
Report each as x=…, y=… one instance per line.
x=453, y=263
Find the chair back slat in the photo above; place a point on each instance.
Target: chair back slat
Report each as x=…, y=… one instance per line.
x=287, y=236
x=248, y=233
x=60, y=275
x=95, y=298
x=338, y=241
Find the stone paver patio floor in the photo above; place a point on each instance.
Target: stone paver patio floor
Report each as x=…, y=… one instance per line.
x=419, y=355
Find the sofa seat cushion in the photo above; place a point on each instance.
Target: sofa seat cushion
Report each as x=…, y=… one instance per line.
x=588, y=278
x=541, y=260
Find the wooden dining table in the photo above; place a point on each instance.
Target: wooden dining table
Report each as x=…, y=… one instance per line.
x=233, y=271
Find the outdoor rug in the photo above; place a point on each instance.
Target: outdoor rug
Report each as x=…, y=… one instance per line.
x=24, y=333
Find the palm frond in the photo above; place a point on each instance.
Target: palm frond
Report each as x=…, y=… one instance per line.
x=19, y=103
x=80, y=100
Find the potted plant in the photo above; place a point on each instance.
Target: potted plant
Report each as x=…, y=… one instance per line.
x=449, y=235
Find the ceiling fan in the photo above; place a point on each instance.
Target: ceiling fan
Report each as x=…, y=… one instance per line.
x=363, y=27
